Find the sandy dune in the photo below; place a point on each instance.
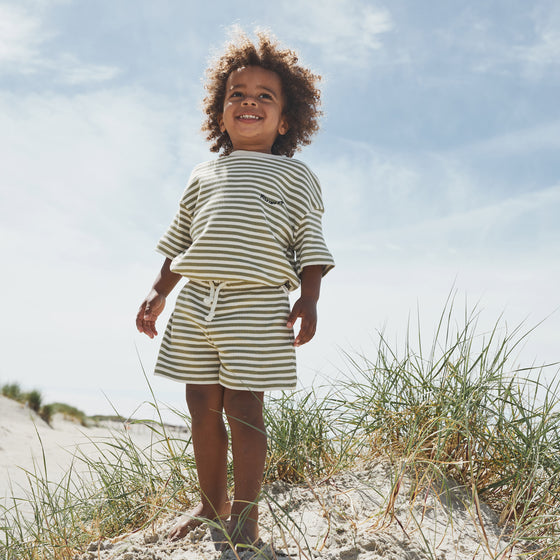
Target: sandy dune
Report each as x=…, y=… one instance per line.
x=336, y=519
x=25, y=437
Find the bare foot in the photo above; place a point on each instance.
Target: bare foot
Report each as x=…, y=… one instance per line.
x=243, y=532
x=195, y=518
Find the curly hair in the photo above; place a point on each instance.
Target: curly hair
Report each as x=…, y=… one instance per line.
x=301, y=96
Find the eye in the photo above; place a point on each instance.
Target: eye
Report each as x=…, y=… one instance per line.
x=236, y=94
x=265, y=96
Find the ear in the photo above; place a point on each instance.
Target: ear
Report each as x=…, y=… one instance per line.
x=221, y=123
x=283, y=126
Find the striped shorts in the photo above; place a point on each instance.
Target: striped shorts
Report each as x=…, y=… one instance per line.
x=232, y=336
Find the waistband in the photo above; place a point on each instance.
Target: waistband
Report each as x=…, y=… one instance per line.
x=215, y=287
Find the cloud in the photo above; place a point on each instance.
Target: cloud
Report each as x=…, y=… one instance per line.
x=69, y=70
x=89, y=182
x=346, y=32
x=21, y=35
x=544, y=51
x=541, y=137
x=526, y=42
x=107, y=165
x=478, y=41
x=375, y=189
x=24, y=50
x=514, y=228
x=459, y=203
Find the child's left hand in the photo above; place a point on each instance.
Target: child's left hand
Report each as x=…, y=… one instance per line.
x=306, y=310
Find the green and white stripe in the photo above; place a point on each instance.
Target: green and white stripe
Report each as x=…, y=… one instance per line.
x=246, y=345
x=248, y=217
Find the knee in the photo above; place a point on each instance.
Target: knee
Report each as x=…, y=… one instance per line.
x=244, y=408
x=204, y=401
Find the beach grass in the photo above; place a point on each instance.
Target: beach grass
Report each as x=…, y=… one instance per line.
x=459, y=412
x=34, y=400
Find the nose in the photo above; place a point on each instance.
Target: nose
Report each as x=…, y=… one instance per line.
x=249, y=100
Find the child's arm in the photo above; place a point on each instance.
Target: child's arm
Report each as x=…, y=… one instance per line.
x=154, y=303
x=306, y=306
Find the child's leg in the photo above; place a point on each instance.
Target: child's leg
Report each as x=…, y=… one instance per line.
x=210, y=443
x=244, y=410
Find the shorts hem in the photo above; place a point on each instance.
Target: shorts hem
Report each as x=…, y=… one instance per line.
x=286, y=387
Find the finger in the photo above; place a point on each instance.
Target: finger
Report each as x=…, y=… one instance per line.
x=145, y=320
x=300, y=340
x=150, y=329
x=306, y=333
x=149, y=321
x=143, y=328
x=292, y=317
x=140, y=318
x=152, y=311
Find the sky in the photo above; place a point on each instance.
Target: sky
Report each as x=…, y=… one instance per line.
x=438, y=158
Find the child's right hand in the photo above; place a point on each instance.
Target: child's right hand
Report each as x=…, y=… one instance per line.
x=149, y=311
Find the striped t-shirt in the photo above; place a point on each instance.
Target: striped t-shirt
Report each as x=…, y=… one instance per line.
x=248, y=217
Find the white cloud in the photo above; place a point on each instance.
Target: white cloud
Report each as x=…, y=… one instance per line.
x=72, y=71
x=374, y=189
x=89, y=182
x=512, y=228
x=544, y=52
x=87, y=179
x=519, y=41
x=536, y=138
x=532, y=46
x=24, y=41
x=547, y=50
x=21, y=35
x=346, y=32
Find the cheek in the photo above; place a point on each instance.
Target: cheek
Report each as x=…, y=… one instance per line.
x=226, y=113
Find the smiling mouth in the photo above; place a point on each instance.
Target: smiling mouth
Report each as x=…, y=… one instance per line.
x=249, y=117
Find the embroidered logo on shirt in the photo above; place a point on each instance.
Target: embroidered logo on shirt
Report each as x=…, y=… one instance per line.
x=270, y=201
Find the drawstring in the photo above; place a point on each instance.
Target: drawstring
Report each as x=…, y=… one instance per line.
x=212, y=299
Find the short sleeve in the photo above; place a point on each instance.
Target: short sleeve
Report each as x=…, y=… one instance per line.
x=310, y=246
x=177, y=239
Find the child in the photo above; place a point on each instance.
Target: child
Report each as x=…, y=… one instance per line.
x=248, y=230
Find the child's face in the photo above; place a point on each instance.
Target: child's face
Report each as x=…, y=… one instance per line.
x=253, y=107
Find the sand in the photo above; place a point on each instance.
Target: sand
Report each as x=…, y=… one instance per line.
x=27, y=443
x=336, y=519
